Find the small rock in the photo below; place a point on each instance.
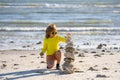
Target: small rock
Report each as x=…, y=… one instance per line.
x=119, y=62
x=16, y=64
x=80, y=61
x=22, y=56
x=4, y=65
x=42, y=62
x=86, y=44
x=111, y=54
x=15, y=68
x=32, y=54
x=76, y=52
x=104, y=44
x=28, y=46
x=86, y=51
x=115, y=47
x=61, y=47
x=101, y=76
x=38, y=57
x=81, y=55
x=102, y=53
x=96, y=66
x=24, y=46
x=108, y=51
x=92, y=69
x=93, y=52
x=105, y=68
x=97, y=55
x=11, y=42
x=99, y=46
x=103, y=50
x=4, y=61
x=39, y=42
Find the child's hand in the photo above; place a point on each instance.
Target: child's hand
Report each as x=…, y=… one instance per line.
x=41, y=54
x=68, y=35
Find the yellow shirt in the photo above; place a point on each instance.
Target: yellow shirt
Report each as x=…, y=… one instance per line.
x=51, y=45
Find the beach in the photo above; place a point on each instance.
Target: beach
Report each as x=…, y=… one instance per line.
x=92, y=64
x=95, y=30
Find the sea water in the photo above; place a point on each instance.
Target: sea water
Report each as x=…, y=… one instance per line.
x=91, y=22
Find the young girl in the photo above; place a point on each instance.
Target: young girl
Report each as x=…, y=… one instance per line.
x=51, y=46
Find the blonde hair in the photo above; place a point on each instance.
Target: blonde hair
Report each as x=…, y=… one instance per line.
x=51, y=27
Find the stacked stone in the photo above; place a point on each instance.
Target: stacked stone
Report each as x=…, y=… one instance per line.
x=69, y=50
x=69, y=57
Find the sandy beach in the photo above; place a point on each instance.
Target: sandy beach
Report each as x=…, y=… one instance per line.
x=92, y=64
x=23, y=26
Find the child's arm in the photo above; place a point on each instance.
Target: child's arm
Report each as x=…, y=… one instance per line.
x=68, y=35
x=43, y=49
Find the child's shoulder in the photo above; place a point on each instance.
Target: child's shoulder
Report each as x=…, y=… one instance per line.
x=58, y=36
x=45, y=39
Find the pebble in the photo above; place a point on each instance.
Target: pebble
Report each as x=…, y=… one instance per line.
x=4, y=61
x=97, y=55
x=42, y=62
x=23, y=56
x=119, y=62
x=103, y=50
x=92, y=69
x=93, y=52
x=101, y=76
x=76, y=52
x=4, y=65
x=81, y=55
x=16, y=64
x=100, y=46
x=32, y=54
x=105, y=68
x=39, y=42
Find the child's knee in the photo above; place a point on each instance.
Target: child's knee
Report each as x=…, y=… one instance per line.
x=58, y=53
x=49, y=66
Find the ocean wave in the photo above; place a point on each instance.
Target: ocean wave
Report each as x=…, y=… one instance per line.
x=60, y=29
x=80, y=31
x=56, y=5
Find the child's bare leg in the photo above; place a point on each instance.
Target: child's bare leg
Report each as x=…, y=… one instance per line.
x=50, y=61
x=58, y=57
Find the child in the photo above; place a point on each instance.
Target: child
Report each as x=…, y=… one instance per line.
x=51, y=46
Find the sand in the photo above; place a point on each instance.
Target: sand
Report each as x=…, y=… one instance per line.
x=92, y=64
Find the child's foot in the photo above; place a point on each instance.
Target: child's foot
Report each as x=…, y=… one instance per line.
x=58, y=67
